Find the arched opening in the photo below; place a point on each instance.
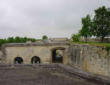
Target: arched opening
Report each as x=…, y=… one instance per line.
x=18, y=60
x=57, y=55
x=35, y=60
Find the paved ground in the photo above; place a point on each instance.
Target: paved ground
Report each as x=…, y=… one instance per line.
x=27, y=75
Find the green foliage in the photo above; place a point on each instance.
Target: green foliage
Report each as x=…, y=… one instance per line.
x=3, y=41
x=86, y=27
x=75, y=37
x=107, y=48
x=99, y=26
x=10, y=39
x=16, y=40
x=101, y=23
x=107, y=45
x=44, y=37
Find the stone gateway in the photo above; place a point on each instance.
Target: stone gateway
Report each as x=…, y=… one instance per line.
x=33, y=53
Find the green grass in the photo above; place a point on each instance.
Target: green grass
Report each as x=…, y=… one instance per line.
x=106, y=45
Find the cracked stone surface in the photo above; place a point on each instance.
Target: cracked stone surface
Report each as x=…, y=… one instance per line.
x=30, y=75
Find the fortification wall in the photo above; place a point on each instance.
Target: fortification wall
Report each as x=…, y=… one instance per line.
x=1, y=55
x=85, y=57
x=27, y=51
x=90, y=58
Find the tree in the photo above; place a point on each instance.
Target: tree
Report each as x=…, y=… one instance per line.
x=10, y=40
x=86, y=27
x=44, y=37
x=75, y=37
x=3, y=41
x=101, y=23
x=17, y=39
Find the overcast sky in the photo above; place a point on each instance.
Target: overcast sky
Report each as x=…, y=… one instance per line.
x=54, y=18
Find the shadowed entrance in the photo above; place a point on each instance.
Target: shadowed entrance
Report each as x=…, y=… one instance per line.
x=57, y=55
x=18, y=60
x=35, y=60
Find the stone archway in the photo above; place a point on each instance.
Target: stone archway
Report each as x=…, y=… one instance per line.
x=35, y=60
x=18, y=60
x=57, y=55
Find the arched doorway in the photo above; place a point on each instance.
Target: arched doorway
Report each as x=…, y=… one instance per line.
x=18, y=60
x=57, y=55
x=35, y=60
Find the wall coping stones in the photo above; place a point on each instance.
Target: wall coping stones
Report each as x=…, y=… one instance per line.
x=33, y=44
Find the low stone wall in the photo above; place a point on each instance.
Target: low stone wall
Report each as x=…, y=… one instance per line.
x=90, y=58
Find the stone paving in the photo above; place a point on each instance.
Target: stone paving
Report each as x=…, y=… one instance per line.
x=40, y=75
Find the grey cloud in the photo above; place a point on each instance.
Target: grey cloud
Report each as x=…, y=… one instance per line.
x=34, y=18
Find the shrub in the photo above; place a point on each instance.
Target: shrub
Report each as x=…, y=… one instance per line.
x=75, y=37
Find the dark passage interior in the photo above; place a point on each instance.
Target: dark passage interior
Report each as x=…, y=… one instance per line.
x=35, y=60
x=56, y=56
x=18, y=60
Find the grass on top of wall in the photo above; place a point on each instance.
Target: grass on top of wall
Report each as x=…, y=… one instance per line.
x=106, y=45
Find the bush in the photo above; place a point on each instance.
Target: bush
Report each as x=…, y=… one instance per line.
x=16, y=40
x=75, y=37
x=44, y=37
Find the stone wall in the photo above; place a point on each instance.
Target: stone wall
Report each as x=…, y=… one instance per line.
x=1, y=55
x=90, y=58
x=27, y=51
x=85, y=57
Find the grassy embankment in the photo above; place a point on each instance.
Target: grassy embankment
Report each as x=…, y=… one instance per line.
x=106, y=45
